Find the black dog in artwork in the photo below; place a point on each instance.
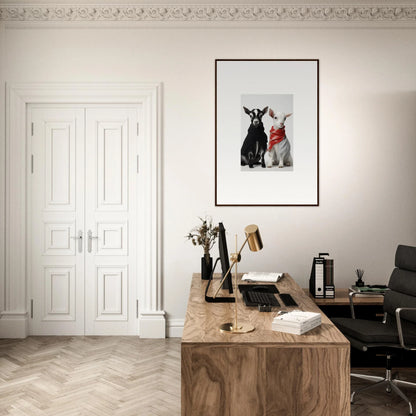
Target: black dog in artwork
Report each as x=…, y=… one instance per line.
x=255, y=143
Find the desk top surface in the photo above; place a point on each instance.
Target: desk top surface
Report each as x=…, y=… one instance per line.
x=203, y=319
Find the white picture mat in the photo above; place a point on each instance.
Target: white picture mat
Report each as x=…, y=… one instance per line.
x=267, y=186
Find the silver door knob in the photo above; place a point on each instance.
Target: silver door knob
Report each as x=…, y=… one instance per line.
x=79, y=238
x=90, y=238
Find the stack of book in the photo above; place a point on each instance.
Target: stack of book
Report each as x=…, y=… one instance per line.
x=369, y=289
x=296, y=322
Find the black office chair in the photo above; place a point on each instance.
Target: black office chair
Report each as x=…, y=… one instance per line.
x=398, y=329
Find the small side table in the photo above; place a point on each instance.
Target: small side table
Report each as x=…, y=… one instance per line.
x=366, y=306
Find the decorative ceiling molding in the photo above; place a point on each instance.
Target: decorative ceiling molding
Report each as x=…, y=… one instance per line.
x=205, y=13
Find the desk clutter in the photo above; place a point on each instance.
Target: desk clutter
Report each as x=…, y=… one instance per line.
x=296, y=322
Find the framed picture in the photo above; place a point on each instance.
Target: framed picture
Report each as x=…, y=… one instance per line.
x=267, y=132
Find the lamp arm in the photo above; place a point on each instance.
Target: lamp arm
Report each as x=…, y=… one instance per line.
x=230, y=268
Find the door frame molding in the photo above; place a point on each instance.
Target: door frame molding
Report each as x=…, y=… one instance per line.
x=14, y=318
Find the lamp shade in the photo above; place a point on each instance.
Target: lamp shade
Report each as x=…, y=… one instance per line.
x=253, y=237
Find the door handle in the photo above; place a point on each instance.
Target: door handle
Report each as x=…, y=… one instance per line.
x=79, y=238
x=90, y=237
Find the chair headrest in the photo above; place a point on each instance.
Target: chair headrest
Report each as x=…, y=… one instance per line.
x=406, y=258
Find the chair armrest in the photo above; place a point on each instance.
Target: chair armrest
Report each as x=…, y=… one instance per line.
x=400, y=330
x=351, y=297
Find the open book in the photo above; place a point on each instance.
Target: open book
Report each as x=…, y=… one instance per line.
x=262, y=277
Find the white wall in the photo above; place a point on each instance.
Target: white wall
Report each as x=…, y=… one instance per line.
x=367, y=135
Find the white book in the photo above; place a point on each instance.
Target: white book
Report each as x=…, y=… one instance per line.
x=262, y=277
x=296, y=331
x=296, y=322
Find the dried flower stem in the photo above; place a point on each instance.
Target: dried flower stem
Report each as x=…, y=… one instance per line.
x=204, y=235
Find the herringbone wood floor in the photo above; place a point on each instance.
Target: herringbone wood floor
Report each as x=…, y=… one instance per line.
x=89, y=376
x=118, y=376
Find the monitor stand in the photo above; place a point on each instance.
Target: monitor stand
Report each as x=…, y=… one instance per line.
x=217, y=299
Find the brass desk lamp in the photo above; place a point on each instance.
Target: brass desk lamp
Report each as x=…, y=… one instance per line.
x=253, y=239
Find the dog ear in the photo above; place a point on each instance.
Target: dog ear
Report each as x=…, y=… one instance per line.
x=271, y=113
x=247, y=111
x=288, y=115
x=264, y=111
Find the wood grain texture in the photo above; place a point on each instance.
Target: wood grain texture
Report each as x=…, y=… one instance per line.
x=263, y=372
x=203, y=319
x=251, y=380
x=341, y=298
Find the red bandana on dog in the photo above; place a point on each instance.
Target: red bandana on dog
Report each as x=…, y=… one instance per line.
x=276, y=136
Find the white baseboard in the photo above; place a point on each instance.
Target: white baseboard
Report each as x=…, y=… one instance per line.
x=13, y=325
x=175, y=328
x=152, y=324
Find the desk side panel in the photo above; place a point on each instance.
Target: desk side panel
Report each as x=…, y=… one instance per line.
x=241, y=380
x=222, y=381
x=309, y=381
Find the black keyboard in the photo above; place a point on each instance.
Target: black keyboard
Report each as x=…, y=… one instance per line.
x=287, y=299
x=253, y=298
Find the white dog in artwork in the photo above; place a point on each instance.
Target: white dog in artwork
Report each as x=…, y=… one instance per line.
x=278, y=150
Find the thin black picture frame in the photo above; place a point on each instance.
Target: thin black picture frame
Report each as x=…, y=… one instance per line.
x=218, y=202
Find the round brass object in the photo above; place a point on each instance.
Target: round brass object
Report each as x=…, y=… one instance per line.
x=242, y=329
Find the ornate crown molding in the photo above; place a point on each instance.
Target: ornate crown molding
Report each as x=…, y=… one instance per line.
x=204, y=13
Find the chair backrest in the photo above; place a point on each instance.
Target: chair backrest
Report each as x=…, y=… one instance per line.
x=402, y=284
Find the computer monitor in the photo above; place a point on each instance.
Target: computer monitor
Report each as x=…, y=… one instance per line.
x=225, y=261
x=225, y=265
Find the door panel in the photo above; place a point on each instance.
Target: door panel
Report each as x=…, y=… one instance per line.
x=111, y=160
x=112, y=239
x=112, y=293
x=60, y=293
x=59, y=165
x=111, y=219
x=56, y=195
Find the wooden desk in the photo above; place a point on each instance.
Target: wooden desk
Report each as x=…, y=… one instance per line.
x=263, y=372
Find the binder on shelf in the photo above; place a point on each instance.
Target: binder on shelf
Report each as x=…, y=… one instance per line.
x=321, y=281
x=329, y=279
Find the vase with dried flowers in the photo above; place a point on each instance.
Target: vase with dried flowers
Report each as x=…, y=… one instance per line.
x=204, y=235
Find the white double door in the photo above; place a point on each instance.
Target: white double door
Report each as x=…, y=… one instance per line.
x=83, y=219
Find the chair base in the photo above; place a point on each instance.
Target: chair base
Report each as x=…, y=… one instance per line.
x=388, y=381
